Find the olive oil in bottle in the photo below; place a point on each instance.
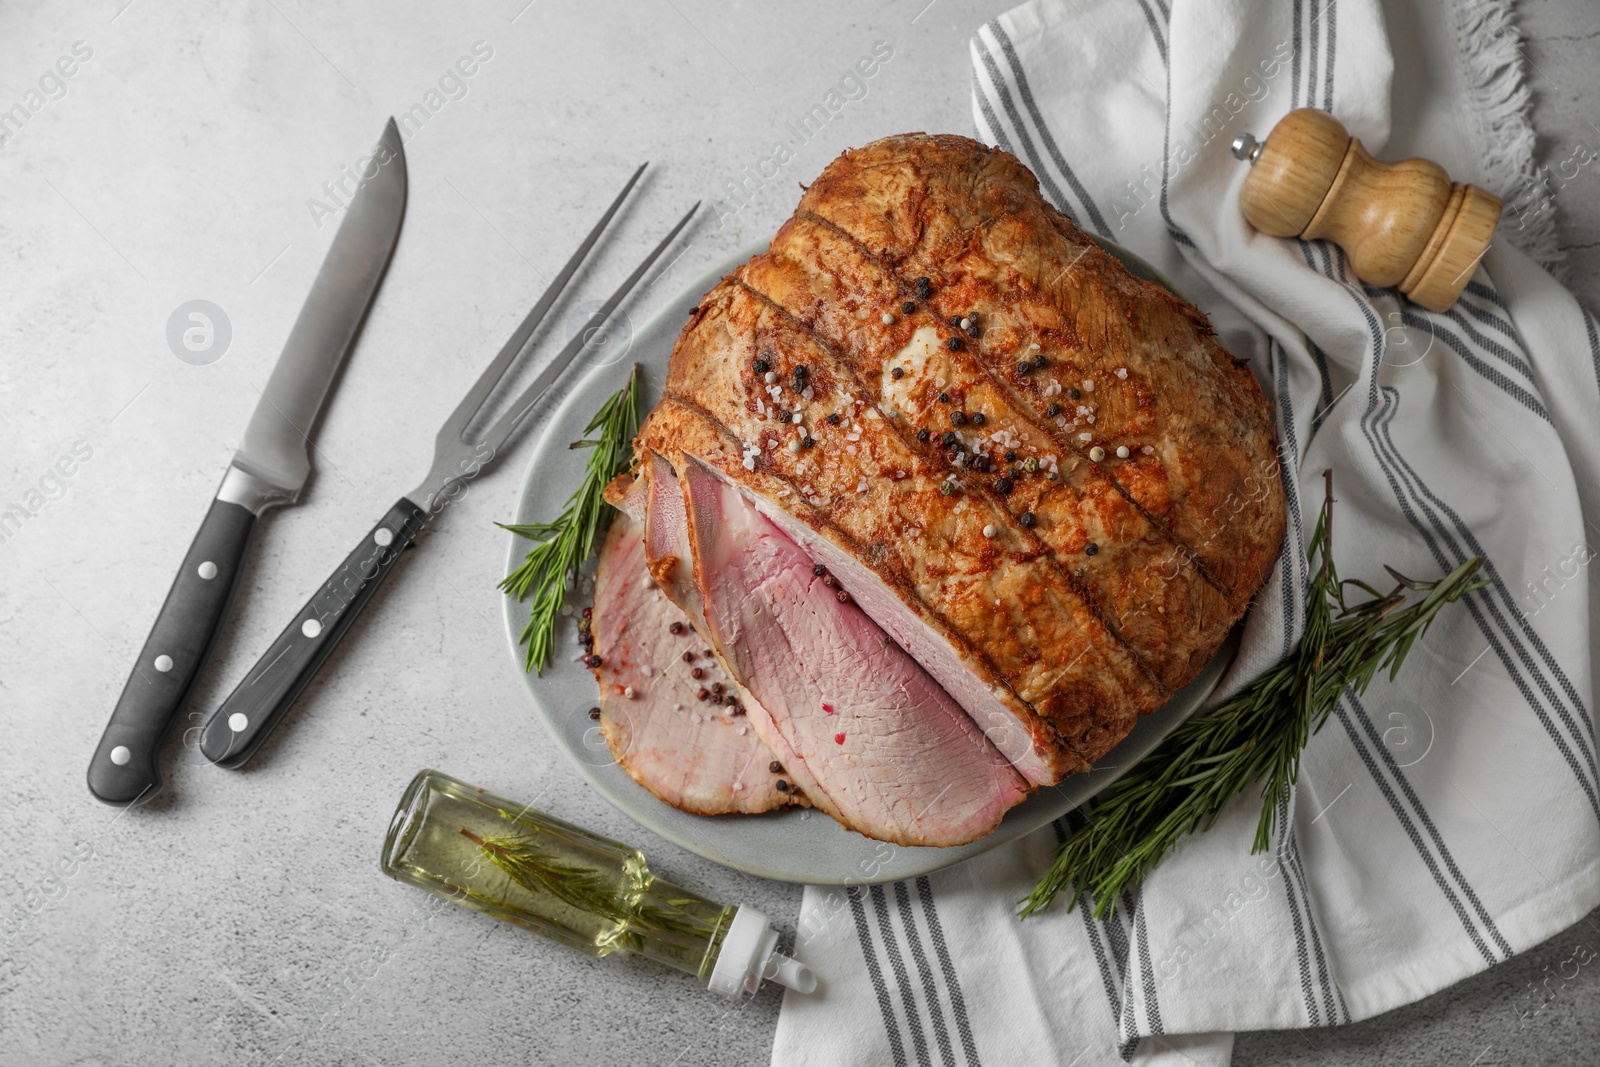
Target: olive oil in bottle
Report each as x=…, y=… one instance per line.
x=594, y=894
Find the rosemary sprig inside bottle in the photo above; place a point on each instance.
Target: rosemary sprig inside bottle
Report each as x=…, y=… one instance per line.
x=689, y=919
x=1255, y=736
x=551, y=566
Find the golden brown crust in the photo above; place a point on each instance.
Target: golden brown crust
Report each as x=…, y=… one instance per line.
x=1077, y=640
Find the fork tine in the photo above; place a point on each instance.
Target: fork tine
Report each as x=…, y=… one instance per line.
x=507, y=422
x=455, y=426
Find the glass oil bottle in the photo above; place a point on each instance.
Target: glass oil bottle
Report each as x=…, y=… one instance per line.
x=583, y=890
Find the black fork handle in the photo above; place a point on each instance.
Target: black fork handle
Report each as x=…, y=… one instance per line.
x=236, y=729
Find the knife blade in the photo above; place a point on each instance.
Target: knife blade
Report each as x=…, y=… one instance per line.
x=269, y=468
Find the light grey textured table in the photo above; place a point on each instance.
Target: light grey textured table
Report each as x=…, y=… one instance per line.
x=241, y=918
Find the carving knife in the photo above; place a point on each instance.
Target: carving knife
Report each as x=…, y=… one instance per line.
x=269, y=468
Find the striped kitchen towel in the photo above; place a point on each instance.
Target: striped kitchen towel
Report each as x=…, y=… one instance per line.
x=1442, y=822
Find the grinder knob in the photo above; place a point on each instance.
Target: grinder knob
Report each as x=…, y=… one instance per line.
x=1404, y=223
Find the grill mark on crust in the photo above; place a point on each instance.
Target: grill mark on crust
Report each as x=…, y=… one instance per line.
x=1039, y=550
x=907, y=594
x=1025, y=409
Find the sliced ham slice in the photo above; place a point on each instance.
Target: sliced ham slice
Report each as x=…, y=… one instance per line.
x=889, y=752
x=669, y=555
x=695, y=755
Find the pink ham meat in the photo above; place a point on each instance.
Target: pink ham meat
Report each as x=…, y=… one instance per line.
x=887, y=751
x=693, y=754
x=669, y=555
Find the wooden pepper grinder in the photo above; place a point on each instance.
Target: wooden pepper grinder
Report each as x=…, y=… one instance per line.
x=1404, y=224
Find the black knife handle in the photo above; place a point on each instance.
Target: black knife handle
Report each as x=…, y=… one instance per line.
x=236, y=729
x=126, y=765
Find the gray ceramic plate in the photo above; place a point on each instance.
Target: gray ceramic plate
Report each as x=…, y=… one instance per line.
x=791, y=846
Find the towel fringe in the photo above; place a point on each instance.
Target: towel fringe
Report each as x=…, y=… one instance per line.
x=1491, y=47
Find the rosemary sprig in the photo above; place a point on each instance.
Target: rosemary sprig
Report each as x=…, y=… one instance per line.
x=551, y=566
x=587, y=890
x=1255, y=736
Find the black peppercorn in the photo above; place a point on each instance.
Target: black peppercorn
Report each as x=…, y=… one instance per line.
x=1053, y=410
x=948, y=438
x=781, y=786
x=818, y=570
x=944, y=398
x=708, y=653
x=1023, y=367
x=907, y=308
x=595, y=661
x=688, y=657
x=1038, y=360
x=922, y=435
x=1090, y=549
x=807, y=441
x=958, y=418
x=897, y=373
x=760, y=366
x=833, y=420
x=1074, y=394
x=800, y=372
x=844, y=598
x=704, y=694
x=594, y=713
x=1027, y=519
x=830, y=581
x=676, y=627
x=1011, y=455
x=981, y=464
x=972, y=328
x=1003, y=486
x=954, y=320
x=775, y=767
x=697, y=674
x=977, y=418
x=953, y=343
x=924, y=288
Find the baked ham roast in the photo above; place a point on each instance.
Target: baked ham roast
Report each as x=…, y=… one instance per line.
x=952, y=495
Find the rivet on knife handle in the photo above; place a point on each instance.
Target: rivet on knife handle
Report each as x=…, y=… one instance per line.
x=125, y=768
x=236, y=729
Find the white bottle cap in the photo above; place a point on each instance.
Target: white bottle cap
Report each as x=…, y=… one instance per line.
x=749, y=955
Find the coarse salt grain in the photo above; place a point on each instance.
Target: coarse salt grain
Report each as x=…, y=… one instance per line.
x=1122, y=372
x=1086, y=436
x=1147, y=449
x=628, y=692
x=749, y=463
x=795, y=418
x=1088, y=386
x=808, y=392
